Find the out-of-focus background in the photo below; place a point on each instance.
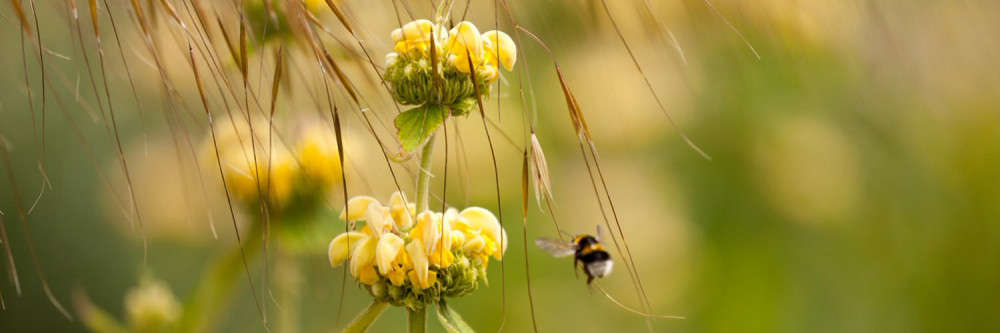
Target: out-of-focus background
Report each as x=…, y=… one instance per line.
x=853, y=183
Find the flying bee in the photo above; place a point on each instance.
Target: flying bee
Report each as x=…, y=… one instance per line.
x=586, y=249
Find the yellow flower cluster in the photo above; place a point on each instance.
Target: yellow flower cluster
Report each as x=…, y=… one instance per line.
x=286, y=174
x=413, y=251
x=487, y=51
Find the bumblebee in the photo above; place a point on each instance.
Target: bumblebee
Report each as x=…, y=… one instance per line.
x=586, y=249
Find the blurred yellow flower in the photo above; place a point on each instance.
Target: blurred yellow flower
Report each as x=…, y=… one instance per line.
x=317, y=153
x=317, y=6
x=258, y=168
x=152, y=307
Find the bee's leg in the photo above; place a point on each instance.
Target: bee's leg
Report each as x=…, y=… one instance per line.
x=590, y=278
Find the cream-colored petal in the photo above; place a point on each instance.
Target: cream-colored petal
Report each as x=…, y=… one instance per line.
x=503, y=46
x=397, y=199
x=445, y=223
x=342, y=246
x=403, y=219
x=457, y=239
x=378, y=220
x=432, y=229
x=363, y=256
x=391, y=58
x=400, y=210
x=397, y=35
x=386, y=250
x=356, y=208
x=419, y=259
x=503, y=246
x=489, y=73
x=484, y=220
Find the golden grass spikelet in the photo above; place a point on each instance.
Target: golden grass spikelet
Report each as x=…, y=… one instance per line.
x=539, y=170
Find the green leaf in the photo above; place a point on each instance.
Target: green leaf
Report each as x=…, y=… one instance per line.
x=95, y=318
x=451, y=321
x=416, y=125
x=366, y=318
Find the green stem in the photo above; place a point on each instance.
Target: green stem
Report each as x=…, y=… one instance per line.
x=288, y=283
x=424, y=177
x=443, y=11
x=416, y=320
x=365, y=319
x=215, y=288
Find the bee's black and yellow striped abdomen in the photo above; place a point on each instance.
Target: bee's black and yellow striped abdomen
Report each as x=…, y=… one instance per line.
x=596, y=261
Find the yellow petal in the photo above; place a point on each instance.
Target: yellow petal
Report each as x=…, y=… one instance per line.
x=368, y=275
x=397, y=277
x=482, y=219
x=489, y=73
x=474, y=244
x=356, y=208
x=363, y=256
x=342, y=246
x=386, y=250
x=441, y=258
x=461, y=62
x=403, y=218
x=425, y=282
x=457, y=240
x=417, y=232
x=447, y=220
x=490, y=56
x=465, y=39
x=503, y=245
x=400, y=211
x=419, y=259
x=503, y=47
x=419, y=30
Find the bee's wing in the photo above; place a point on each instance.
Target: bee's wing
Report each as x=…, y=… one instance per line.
x=556, y=247
x=600, y=233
